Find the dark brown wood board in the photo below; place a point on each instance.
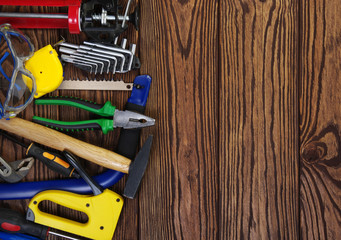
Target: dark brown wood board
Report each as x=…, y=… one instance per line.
x=247, y=139
x=258, y=112
x=180, y=48
x=320, y=144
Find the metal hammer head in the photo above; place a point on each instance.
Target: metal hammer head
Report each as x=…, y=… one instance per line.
x=137, y=169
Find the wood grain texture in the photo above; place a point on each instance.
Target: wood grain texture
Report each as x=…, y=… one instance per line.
x=258, y=138
x=320, y=119
x=180, y=189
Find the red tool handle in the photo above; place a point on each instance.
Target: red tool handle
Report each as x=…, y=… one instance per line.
x=72, y=22
x=35, y=22
x=13, y=222
x=50, y=3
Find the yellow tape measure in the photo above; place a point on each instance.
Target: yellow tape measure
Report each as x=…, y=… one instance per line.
x=46, y=69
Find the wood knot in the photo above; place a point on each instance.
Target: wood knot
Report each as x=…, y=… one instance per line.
x=183, y=2
x=314, y=151
x=323, y=148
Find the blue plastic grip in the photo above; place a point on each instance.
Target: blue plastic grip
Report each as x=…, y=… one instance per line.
x=16, y=236
x=26, y=190
x=140, y=95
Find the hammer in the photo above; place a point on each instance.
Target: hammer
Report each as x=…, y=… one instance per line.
x=98, y=155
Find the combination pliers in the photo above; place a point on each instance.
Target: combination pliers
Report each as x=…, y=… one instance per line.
x=124, y=119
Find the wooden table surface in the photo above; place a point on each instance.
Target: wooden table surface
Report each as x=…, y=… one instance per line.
x=246, y=97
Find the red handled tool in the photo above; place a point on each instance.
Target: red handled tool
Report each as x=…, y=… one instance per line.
x=99, y=19
x=52, y=20
x=13, y=222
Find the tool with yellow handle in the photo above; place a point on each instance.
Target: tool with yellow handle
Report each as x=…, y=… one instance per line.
x=103, y=212
x=46, y=69
x=103, y=209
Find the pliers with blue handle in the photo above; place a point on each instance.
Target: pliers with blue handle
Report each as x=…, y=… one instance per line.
x=124, y=119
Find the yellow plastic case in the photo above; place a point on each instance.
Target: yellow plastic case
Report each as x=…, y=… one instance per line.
x=47, y=70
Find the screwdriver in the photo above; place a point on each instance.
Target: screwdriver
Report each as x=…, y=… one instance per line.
x=52, y=160
x=13, y=222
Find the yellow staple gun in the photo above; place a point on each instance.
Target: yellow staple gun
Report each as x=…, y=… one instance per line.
x=103, y=209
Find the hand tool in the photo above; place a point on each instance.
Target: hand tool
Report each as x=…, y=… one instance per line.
x=46, y=69
x=94, y=65
x=53, y=161
x=127, y=145
x=99, y=19
x=16, y=170
x=103, y=209
x=123, y=119
x=131, y=61
x=77, y=51
x=82, y=56
x=13, y=222
x=96, y=85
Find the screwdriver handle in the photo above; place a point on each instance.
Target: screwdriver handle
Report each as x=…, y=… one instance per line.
x=52, y=161
x=13, y=222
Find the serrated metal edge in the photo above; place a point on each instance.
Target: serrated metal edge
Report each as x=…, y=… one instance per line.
x=95, y=85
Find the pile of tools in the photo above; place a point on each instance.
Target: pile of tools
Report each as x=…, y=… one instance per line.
x=102, y=21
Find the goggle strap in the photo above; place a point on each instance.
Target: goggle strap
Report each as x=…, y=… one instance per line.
x=1, y=69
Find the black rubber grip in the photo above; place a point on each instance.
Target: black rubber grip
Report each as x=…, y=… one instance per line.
x=63, y=127
x=53, y=161
x=13, y=222
x=129, y=138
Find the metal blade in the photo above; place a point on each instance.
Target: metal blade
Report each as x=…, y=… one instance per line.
x=95, y=85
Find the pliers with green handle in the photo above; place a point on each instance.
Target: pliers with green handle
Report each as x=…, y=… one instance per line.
x=125, y=119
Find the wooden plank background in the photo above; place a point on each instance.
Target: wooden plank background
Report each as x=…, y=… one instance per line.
x=258, y=120
x=247, y=139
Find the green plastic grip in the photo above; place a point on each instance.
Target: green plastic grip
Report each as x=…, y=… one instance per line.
x=105, y=125
x=106, y=110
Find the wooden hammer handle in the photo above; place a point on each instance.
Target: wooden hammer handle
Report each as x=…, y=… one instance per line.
x=61, y=142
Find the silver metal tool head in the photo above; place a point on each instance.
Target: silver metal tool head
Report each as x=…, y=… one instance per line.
x=15, y=171
x=129, y=120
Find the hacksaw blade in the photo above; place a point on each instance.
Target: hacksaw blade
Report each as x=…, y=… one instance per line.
x=95, y=85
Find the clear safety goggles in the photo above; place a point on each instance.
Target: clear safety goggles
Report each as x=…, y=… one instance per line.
x=17, y=84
